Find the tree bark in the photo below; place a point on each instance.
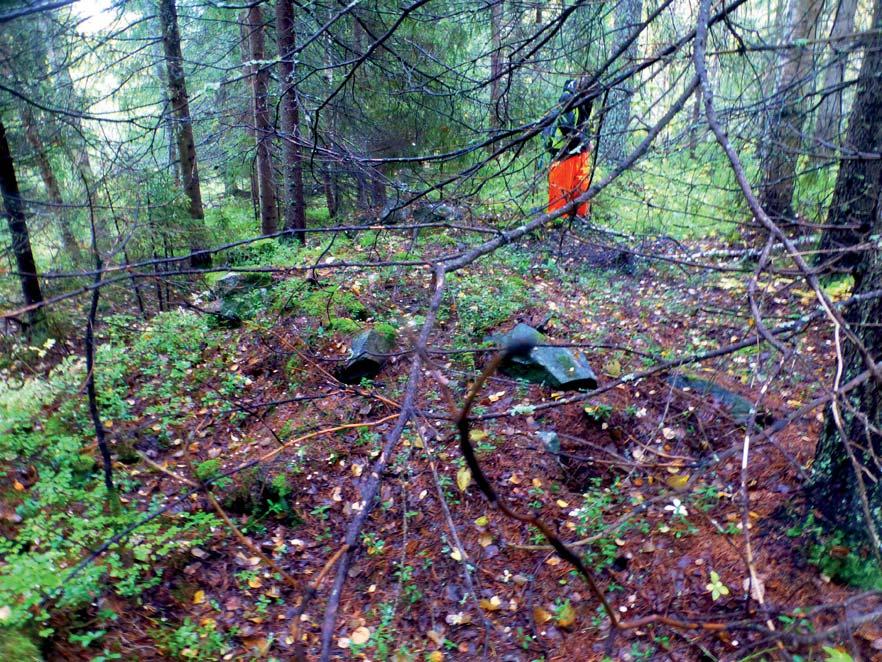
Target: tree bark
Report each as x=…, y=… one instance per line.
x=856, y=196
x=180, y=102
x=330, y=192
x=263, y=129
x=497, y=102
x=18, y=231
x=839, y=491
x=788, y=111
x=629, y=14
x=50, y=182
x=829, y=121
x=295, y=207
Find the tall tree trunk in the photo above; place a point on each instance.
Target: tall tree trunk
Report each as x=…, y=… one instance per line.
x=497, y=103
x=292, y=167
x=788, y=111
x=18, y=230
x=246, y=118
x=378, y=189
x=262, y=127
x=628, y=15
x=695, y=124
x=837, y=486
x=177, y=87
x=856, y=196
x=50, y=182
x=829, y=122
x=330, y=191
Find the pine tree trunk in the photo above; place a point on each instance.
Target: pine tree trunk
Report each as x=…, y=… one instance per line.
x=829, y=121
x=836, y=491
x=330, y=192
x=180, y=102
x=788, y=110
x=263, y=129
x=50, y=182
x=836, y=485
x=295, y=206
x=629, y=14
x=855, y=198
x=18, y=231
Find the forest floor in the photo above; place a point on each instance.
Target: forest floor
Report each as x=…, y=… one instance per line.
x=648, y=481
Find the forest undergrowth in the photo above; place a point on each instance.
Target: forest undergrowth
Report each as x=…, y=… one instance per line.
x=252, y=453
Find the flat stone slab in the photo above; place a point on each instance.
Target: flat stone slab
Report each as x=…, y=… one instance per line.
x=367, y=357
x=558, y=367
x=740, y=408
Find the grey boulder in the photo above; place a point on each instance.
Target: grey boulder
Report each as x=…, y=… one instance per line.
x=557, y=367
x=367, y=356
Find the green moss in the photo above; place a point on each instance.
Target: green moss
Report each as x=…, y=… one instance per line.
x=344, y=325
x=207, y=469
x=386, y=330
x=296, y=296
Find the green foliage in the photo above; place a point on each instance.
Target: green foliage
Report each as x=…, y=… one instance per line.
x=331, y=307
x=15, y=645
x=839, y=557
x=596, y=502
x=208, y=469
x=482, y=305
x=382, y=634
x=190, y=641
x=67, y=511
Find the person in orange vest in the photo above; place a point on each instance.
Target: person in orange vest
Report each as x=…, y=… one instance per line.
x=567, y=142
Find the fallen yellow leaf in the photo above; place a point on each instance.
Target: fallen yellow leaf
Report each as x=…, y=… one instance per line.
x=360, y=636
x=541, y=616
x=566, y=616
x=477, y=435
x=677, y=481
x=493, y=604
x=463, y=479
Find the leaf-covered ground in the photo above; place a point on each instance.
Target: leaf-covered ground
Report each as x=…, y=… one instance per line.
x=647, y=483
